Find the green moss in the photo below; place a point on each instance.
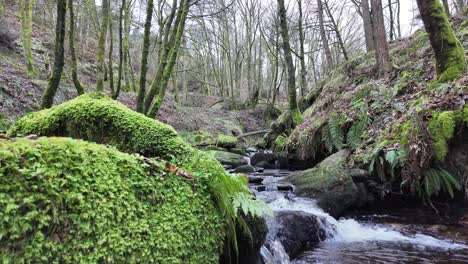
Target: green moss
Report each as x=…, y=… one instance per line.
x=96, y=117
x=442, y=127
x=226, y=141
x=450, y=59
x=70, y=201
x=464, y=24
x=280, y=143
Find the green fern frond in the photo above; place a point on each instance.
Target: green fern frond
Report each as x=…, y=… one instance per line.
x=335, y=131
x=439, y=180
x=354, y=137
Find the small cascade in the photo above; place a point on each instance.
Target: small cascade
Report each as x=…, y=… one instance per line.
x=343, y=232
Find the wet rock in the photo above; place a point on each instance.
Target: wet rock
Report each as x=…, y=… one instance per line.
x=239, y=151
x=329, y=183
x=227, y=167
x=260, y=188
x=284, y=187
x=228, y=158
x=262, y=156
x=255, y=179
x=244, y=169
x=359, y=175
x=251, y=149
x=364, y=197
x=265, y=165
x=297, y=231
x=259, y=169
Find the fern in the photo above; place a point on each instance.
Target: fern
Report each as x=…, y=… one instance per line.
x=438, y=181
x=354, y=136
x=335, y=131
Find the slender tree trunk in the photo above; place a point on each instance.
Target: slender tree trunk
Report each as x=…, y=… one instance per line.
x=2, y=7
x=398, y=18
x=111, y=52
x=71, y=42
x=54, y=81
x=302, y=52
x=288, y=57
x=446, y=7
x=392, y=20
x=323, y=35
x=179, y=31
x=121, y=53
x=449, y=53
x=26, y=32
x=460, y=5
x=144, y=56
x=168, y=40
x=337, y=32
x=380, y=36
x=368, y=28
x=102, y=47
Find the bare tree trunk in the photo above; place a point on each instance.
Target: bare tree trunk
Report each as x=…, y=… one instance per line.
x=446, y=7
x=398, y=18
x=144, y=56
x=449, y=53
x=337, y=32
x=392, y=20
x=288, y=57
x=323, y=35
x=102, y=47
x=111, y=52
x=121, y=52
x=54, y=81
x=71, y=40
x=26, y=32
x=368, y=28
x=302, y=52
x=381, y=44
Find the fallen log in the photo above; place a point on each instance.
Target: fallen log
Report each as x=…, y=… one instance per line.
x=253, y=133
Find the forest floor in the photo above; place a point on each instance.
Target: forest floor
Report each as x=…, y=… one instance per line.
x=20, y=93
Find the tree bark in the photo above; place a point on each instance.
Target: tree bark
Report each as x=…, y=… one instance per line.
x=302, y=52
x=71, y=42
x=179, y=32
x=121, y=52
x=368, y=28
x=449, y=53
x=392, y=20
x=54, y=81
x=288, y=57
x=323, y=35
x=26, y=32
x=111, y=51
x=446, y=7
x=144, y=56
x=380, y=36
x=102, y=47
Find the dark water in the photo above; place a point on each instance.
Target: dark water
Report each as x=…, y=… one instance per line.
x=372, y=238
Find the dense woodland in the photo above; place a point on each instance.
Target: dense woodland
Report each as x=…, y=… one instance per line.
x=132, y=131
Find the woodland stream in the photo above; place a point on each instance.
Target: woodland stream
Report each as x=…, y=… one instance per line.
x=369, y=238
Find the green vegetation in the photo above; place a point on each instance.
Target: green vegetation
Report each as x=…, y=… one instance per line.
x=96, y=117
x=226, y=141
x=70, y=201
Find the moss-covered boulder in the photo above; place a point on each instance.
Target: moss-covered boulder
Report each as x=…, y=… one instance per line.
x=96, y=117
x=328, y=182
x=228, y=158
x=224, y=141
x=70, y=201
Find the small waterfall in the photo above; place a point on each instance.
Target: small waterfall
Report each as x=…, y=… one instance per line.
x=341, y=231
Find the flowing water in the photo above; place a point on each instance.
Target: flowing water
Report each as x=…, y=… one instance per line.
x=358, y=241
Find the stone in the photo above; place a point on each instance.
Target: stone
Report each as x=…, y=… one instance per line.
x=255, y=179
x=285, y=187
x=359, y=175
x=297, y=231
x=259, y=169
x=265, y=165
x=262, y=156
x=329, y=183
x=244, y=169
x=228, y=158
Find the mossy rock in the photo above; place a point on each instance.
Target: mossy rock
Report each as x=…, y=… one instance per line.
x=226, y=141
x=228, y=158
x=96, y=117
x=71, y=201
x=328, y=182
